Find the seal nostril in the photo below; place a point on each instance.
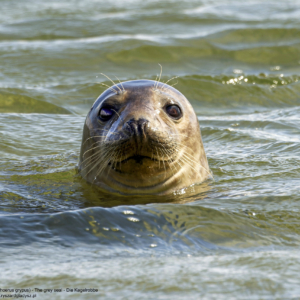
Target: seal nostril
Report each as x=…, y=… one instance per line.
x=137, y=127
x=142, y=124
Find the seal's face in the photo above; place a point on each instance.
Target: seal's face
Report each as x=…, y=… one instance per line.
x=142, y=137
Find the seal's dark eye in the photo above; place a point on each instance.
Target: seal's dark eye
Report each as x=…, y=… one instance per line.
x=174, y=111
x=105, y=113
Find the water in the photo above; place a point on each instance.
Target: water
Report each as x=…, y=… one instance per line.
x=236, y=237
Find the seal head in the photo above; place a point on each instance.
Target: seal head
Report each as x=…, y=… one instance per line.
x=142, y=137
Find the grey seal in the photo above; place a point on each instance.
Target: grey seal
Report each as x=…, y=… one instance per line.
x=142, y=137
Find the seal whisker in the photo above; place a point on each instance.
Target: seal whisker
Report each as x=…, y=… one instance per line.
x=115, y=91
x=103, y=158
x=163, y=161
x=87, y=151
x=100, y=136
x=179, y=134
x=90, y=149
x=91, y=156
x=112, y=81
x=99, y=152
x=95, y=136
x=187, y=155
x=173, y=84
x=98, y=172
x=108, y=154
x=164, y=148
x=113, y=160
x=157, y=156
x=190, y=163
x=178, y=163
x=168, y=81
x=91, y=161
x=157, y=82
x=120, y=83
x=92, y=143
x=185, y=159
x=95, y=156
x=110, y=161
x=168, y=161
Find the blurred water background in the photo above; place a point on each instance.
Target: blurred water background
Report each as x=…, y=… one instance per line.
x=238, y=63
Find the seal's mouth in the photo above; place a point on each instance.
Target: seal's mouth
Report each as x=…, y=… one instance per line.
x=138, y=158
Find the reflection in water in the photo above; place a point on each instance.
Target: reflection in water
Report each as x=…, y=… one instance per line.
x=95, y=197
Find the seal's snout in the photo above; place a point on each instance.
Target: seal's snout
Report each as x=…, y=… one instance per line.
x=136, y=127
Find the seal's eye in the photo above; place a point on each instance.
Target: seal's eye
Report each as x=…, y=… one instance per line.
x=174, y=111
x=105, y=113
